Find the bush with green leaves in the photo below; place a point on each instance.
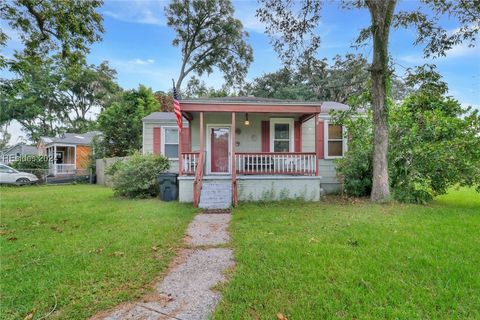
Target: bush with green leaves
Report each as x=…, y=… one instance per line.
x=36, y=164
x=434, y=145
x=136, y=177
x=355, y=169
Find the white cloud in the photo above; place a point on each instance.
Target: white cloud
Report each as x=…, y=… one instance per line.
x=152, y=12
x=245, y=12
x=13, y=35
x=138, y=11
x=463, y=50
x=468, y=104
x=457, y=52
x=141, y=62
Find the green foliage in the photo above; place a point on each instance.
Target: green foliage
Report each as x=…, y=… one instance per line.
x=434, y=144
x=209, y=37
x=137, y=176
x=30, y=99
x=355, y=169
x=282, y=84
x=83, y=87
x=199, y=89
x=45, y=94
x=121, y=123
x=293, y=29
x=54, y=96
x=47, y=26
x=36, y=164
x=319, y=79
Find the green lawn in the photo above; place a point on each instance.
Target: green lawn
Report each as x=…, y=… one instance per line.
x=81, y=249
x=356, y=261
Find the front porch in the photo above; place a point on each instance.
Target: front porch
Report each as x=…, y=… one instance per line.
x=61, y=159
x=248, y=145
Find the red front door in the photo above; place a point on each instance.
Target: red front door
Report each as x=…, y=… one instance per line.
x=220, y=150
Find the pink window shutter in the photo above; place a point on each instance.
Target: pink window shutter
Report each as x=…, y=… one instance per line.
x=265, y=136
x=156, y=140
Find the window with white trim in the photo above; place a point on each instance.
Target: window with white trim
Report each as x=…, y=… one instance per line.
x=335, y=141
x=170, y=138
x=281, y=135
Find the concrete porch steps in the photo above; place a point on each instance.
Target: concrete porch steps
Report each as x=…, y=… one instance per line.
x=216, y=194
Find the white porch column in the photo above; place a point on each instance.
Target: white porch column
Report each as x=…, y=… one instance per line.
x=55, y=160
x=75, y=157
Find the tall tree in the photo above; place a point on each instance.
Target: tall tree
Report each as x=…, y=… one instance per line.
x=31, y=99
x=296, y=23
x=198, y=89
x=84, y=88
x=47, y=29
x=209, y=37
x=381, y=13
x=55, y=96
x=121, y=123
x=54, y=25
x=318, y=79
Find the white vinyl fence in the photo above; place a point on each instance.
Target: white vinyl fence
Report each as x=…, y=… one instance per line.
x=101, y=166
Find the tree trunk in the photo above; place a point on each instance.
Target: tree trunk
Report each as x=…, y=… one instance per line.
x=381, y=13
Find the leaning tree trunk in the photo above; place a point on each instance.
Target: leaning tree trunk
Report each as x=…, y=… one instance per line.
x=381, y=13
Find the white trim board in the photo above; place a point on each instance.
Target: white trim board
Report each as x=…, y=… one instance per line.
x=291, y=123
x=325, y=142
x=162, y=140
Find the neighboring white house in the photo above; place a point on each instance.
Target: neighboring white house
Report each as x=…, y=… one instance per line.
x=11, y=154
x=249, y=148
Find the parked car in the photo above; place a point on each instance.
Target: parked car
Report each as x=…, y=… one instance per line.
x=9, y=175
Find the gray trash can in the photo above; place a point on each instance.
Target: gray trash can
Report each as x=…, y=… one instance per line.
x=168, y=185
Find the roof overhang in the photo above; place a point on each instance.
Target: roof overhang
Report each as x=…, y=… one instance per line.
x=193, y=106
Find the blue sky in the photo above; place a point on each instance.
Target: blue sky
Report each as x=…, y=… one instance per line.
x=137, y=43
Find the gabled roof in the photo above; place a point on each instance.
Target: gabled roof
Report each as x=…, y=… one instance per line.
x=24, y=149
x=72, y=138
x=167, y=116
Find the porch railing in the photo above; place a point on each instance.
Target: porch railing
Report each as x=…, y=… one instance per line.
x=298, y=163
x=62, y=169
x=190, y=162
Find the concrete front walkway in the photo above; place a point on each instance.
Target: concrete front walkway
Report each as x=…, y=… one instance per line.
x=187, y=291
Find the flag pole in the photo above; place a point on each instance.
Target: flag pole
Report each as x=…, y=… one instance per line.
x=178, y=113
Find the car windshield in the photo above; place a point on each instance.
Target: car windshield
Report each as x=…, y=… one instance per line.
x=4, y=168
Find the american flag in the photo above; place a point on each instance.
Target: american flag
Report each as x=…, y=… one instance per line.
x=176, y=109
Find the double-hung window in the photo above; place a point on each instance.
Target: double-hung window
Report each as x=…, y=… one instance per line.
x=281, y=133
x=335, y=141
x=170, y=142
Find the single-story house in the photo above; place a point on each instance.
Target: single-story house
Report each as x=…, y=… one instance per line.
x=248, y=148
x=69, y=153
x=11, y=154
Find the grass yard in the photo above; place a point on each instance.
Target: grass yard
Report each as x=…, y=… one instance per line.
x=356, y=261
x=76, y=250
